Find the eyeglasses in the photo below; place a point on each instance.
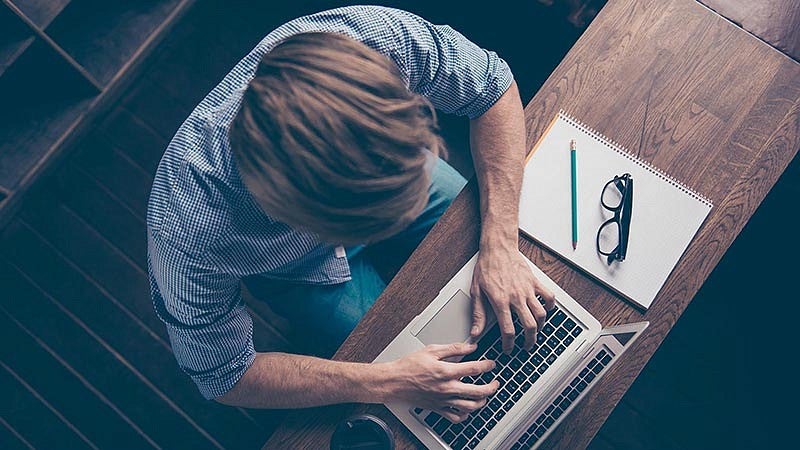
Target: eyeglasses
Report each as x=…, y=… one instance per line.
x=612, y=237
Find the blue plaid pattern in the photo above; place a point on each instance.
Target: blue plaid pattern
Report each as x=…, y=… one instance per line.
x=206, y=233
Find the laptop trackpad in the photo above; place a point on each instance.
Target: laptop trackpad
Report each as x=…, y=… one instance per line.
x=451, y=324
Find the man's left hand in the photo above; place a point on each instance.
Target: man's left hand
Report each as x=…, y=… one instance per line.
x=502, y=277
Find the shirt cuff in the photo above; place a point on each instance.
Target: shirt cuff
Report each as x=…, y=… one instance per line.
x=215, y=383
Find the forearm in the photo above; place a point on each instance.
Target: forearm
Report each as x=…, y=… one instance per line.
x=282, y=380
x=497, y=141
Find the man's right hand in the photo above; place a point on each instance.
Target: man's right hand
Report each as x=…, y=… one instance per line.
x=425, y=380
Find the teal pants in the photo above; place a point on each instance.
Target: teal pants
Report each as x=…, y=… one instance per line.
x=326, y=314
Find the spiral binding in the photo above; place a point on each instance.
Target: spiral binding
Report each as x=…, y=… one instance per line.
x=622, y=151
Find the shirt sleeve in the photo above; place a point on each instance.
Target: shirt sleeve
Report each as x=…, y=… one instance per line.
x=455, y=74
x=209, y=328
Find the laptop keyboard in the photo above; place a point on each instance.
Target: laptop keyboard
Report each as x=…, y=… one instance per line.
x=556, y=409
x=517, y=373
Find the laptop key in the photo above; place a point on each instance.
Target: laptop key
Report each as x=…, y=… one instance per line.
x=558, y=412
x=459, y=443
x=512, y=386
x=568, y=340
x=548, y=329
x=457, y=427
x=432, y=418
x=590, y=376
x=503, y=395
x=525, y=386
x=576, y=331
x=548, y=422
x=553, y=342
x=527, y=368
x=506, y=374
x=449, y=436
x=517, y=395
x=503, y=359
x=482, y=433
x=540, y=338
x=499, y=415
x=494, y=404
x=606, y=359
x=490, y=424
x=560, y=349
x=542, y=368
x=544, y=351
x=441, y=426
x=487, y=413
x=581, y=386
x=520, y=377
x=561, y=333
x=551, y=359
x=569, y=324
x=473, y=444
x=470, y=431
x=558, y=318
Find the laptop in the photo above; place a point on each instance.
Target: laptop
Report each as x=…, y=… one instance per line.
x=537, y=388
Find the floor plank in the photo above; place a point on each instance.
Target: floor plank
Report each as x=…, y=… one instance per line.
x=147, y=408
x=27, y=422
x=60, y=386
x=142, y=347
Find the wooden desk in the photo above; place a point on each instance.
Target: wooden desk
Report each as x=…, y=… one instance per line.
x=722, y=114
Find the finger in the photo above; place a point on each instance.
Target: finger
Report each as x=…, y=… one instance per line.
x=547, y=295
x=529, y=323
x=506, y=328
x=478, y=310
x=463, y=405
x=476, y=391
x=538, y=311
x=441, y=351
x=472, y=368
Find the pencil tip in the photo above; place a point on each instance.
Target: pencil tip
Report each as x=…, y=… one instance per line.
x=574, y=245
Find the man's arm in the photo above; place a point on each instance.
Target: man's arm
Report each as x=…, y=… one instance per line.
x=497, y=140
x=281, y=380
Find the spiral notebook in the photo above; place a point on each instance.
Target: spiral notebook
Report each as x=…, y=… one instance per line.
x=666, y=213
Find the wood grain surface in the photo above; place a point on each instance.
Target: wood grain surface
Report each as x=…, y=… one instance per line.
x=711, y=104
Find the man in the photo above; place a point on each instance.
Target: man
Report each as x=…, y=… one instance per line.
x=324, y=136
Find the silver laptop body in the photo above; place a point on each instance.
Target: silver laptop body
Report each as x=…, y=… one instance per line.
x=548, y=381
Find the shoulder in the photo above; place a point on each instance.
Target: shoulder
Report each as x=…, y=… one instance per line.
x=196, y=189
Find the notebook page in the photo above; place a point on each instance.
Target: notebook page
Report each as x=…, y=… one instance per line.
x=666, y=215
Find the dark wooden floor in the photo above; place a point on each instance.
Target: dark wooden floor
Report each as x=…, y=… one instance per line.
x=85, y=362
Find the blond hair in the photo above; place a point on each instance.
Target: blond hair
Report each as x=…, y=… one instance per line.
x=329, y=139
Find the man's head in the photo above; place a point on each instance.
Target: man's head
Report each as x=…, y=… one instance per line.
x=330, y=139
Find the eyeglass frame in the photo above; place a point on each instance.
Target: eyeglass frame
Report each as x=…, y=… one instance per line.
x=622, y=217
